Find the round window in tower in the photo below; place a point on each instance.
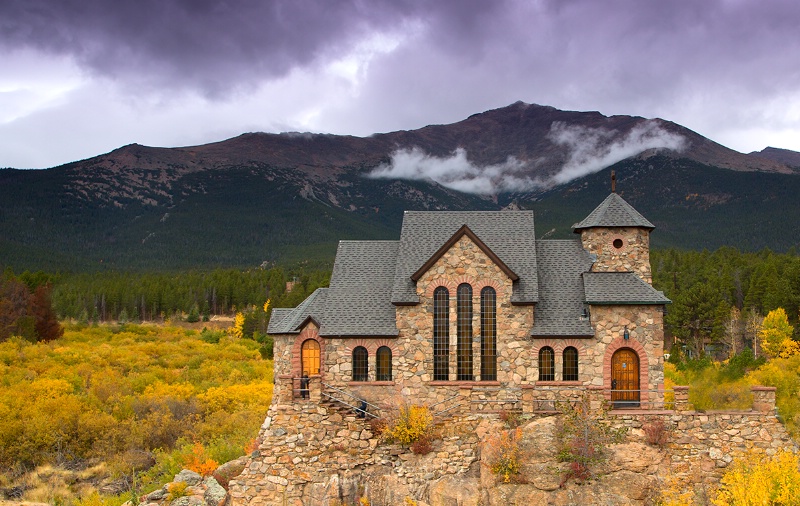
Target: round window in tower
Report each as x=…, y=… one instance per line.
x=618, y=243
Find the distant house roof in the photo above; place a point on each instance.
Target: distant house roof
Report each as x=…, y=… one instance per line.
x=509, y=235
x=558, y=313
x=612, y=288
x=613, y=212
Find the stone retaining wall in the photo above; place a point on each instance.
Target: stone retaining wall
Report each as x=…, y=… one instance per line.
x=313, y=455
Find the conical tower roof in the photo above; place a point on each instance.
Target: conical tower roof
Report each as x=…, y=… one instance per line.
x=613, y=212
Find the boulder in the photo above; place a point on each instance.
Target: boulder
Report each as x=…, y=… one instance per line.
x=214, y=495
x=229, y=470
x=628, y=484
x=188, y=500
x=632, y=456
x=455, y=491
x=191, y=478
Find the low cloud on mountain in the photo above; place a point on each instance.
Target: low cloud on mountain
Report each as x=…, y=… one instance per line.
x=457, y=172
x=593, y=149
x=588, y=150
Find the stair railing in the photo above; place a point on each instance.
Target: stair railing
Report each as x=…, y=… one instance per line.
x=359, y=406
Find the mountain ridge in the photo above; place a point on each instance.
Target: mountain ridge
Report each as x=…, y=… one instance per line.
x=261, y=197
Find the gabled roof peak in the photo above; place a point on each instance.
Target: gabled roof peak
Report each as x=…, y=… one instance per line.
x=613, y=212
x=463, y=231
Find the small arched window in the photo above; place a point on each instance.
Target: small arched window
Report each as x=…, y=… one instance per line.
x=383, y=364
x=547, y=369
x=488, y=335
x=360, y=367
x=309, y=357
x=570, y=365
x=441, y=334
x=464, y=332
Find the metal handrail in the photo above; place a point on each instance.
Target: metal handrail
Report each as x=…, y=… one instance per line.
x=348, y=394
x=357, y=409
x=442, y=402
x=441, y=412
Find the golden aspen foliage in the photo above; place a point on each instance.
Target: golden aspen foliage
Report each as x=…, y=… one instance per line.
x=238, y=325
x=776, y=335
x=761, y=480
x=101, y=391
x=410, y=424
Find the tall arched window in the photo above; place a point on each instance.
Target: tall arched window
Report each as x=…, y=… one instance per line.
x=547, y=366
x=360, y=364
x=441, y=334
x=488, y=334
x=309, y=357
x=464, y=332
x=570, y=365
x=383, y=364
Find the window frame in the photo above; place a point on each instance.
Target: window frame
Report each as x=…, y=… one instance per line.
x=488, y=334
x=441, y=334
x=360, y=364
x=383, y=364
x=464, y=370
x=569, y=365
x=547, y=371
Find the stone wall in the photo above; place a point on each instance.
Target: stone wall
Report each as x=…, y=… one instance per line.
x=645, y=325
x=633, y=255
x=313, y=455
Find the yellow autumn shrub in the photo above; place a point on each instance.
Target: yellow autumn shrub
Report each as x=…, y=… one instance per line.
x=759, y=480
x=503, y=454
x=411, y=424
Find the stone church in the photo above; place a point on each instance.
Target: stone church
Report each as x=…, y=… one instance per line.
x=472, y=306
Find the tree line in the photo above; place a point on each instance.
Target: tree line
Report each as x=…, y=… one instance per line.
x=720, y=298
x=128, y=296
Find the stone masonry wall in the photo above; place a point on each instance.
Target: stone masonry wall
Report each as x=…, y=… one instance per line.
x=633, y=255
x=645, y=326
x=312, y=455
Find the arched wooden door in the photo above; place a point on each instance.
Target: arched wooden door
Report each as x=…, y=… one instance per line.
x=625, y=379
x=309, y=356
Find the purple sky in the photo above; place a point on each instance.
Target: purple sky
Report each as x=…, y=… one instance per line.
x=82, y=77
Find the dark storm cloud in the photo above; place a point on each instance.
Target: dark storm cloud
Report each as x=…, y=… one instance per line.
x=216, y=45
x=725, y=68
x=208, y=44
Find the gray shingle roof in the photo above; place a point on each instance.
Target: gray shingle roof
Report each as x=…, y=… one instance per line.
x=359, y=301
x=613, y=212
x=561, y=294
x=370, y=277
x=290, y=319
x=278, y=315
x=509, y=234
x=605, y=288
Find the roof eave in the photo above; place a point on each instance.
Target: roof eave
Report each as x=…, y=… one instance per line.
x=628, y=303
